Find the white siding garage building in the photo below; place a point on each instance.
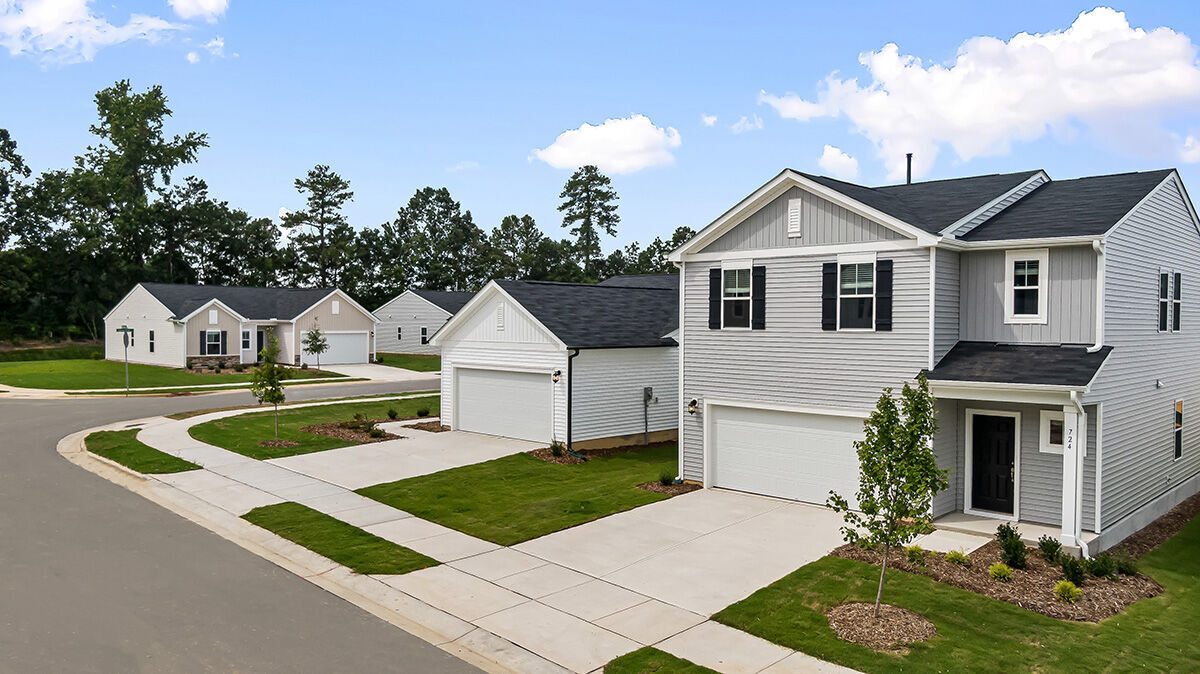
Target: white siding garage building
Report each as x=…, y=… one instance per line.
x=409, y=320
x=569, y=362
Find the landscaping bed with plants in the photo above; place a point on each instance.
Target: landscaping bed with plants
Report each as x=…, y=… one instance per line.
x=358, y=431
x=430, y=427
x=557, y=452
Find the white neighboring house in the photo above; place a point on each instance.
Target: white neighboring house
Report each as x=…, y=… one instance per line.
x=409, y=320
x=175, y=323
x=570, y=362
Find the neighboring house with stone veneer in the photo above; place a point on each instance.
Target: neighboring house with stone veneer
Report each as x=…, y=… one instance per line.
x=1051, y=317
x=177, y=324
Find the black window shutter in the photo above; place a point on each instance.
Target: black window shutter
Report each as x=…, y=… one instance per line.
x=883, y=295
x=829, y=296
x=204, y=342
x=758, y=295
x=714, y=298
x=223, y=351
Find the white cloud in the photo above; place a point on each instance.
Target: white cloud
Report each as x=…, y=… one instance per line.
x=209, y=10
x=622, y=145
x=465, y=165
x=1190, y=152
x=215, y=46
x=1099, y=72
x=708, y=120
x=67, y=31
x=193, y=57
x=838, y=164
x=747, y=124
x=283, y=212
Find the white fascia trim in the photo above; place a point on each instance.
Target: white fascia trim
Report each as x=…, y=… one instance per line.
x=406, y=292
x=804, y=251
x=338, y=292
x=949, y=231
x=490, y=290
x=219, y=303
x=1014, y=244
x=777, y=186
x=1173, y=177
x=1039, y=394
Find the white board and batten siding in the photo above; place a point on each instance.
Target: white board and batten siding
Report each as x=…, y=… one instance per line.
x=409, y=313
x=607, y=394
x=226, y=322
x=347, y=328
x=142, y=312
x=1138, y=463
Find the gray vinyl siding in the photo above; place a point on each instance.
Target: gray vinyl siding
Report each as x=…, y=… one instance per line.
x=945, y=302
x=1071, y=297
x=1137, y=453
x=607, y=392
x=794, y=362
x=822, y=223
x=948, y=450
x=409, y=313
x=999, y=206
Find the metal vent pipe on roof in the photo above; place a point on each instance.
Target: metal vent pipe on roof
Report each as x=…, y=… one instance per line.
x=908, y=179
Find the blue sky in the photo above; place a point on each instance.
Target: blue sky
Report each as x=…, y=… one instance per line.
x=397, y=96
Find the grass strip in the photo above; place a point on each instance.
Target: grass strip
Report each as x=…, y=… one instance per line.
x=124, y=448
x=650, y=660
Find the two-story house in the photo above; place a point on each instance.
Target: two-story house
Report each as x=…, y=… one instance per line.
x=1051, y=318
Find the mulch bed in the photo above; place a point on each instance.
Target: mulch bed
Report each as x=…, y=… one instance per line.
x=895, y=626
x=342, y=430
x=546, y=455
x=669, y=489
x=278, y=443
x=1158, y=531
x=1031, y=588
x=430, y=426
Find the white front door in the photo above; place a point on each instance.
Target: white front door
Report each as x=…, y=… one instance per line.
x=344, y=347
x=785, y=454
x=502, y=402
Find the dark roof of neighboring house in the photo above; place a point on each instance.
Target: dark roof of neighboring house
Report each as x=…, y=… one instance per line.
x=251, y=302
x=448, y=300
x=931, y=205
x=585, y=315
x=659, y=281
x=1068, y=365
x=1079, y=207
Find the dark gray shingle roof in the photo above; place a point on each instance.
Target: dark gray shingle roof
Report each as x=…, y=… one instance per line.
x=1079, y=207
x=449, y=300
x=1019, y=364
x=251, y=302
x=585, y=315
x=659, y=281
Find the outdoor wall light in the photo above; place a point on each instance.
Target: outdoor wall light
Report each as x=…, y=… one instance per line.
x=693, y=405
x=556, y=376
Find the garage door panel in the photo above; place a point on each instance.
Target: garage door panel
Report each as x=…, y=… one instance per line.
x=784, y=454
x=505, y=403
x=344, y=347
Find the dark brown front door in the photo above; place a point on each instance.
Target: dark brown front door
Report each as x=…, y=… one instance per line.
x=993, y=451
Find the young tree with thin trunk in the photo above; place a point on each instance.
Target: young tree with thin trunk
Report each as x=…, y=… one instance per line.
x=266, y=382
x=589, y=207
x=898, y=475
x=315, y=343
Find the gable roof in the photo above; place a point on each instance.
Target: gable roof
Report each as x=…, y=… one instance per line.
x=1078, y=207
x=991, y=362
x=252, y=303
x=595, y=316
x=449, y=301
x=659, y=281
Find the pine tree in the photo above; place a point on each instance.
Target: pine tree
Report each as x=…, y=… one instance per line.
x=589, y=208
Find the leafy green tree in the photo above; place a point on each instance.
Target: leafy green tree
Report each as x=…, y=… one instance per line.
x=13, y=173
x=266, y=381
x=898, y=474
x=315, y=343
x=514, y=248
x=325, y=237
x=433, y=232
x=589, y=208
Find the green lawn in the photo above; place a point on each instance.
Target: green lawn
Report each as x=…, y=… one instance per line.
x=411, y=361
x=69, y=352
x=650, y=660
x=100, y=374
x=518, y=497
x=242, y=433
x=124, y=448
x=329, y=537
x=224, y=388
x=976, y=633
x=195, y=413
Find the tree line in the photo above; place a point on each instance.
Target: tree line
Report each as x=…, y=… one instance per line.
x=73, y=241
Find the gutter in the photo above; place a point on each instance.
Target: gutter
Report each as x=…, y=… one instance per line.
x=1098, y=246
x=570, y=384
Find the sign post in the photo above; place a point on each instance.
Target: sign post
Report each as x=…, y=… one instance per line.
x=125, y=332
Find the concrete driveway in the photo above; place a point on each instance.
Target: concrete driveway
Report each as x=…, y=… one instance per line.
x=377, y=372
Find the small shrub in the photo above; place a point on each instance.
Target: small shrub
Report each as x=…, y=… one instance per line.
x=189, y=365
x=666, y=479
x=958, y=558
x=376, y=433
x=1007, y=532
x=422, y=411
x=303, y=366
x=217, y=368
x=1013, y=552
x=100, y=356
x=1050, y=548
x=557, y=448
x=1126, y=564
x=915, y=555
x=1072, y=569
x=1102, y=566
x=1001, y=572
x=393, y=414
x=1065, y=591
x=239, y=368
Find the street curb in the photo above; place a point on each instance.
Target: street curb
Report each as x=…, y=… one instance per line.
x=474, y=645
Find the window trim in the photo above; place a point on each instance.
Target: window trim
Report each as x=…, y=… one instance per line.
x=213, y=317
x=1177, y=425
x=738, y=265
x=150, y=341
x=208, y=342
x=399, y=333
x=1042, y=257
x=858, y=258
x=247, y=342
x=1162, y=316
x=1175, y=319
x=424, y=335
x=1044, y=444
x=336, y=307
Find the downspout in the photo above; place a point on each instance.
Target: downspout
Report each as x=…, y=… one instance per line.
x=570, y=384
x=1078, y=505
x=1098, y=246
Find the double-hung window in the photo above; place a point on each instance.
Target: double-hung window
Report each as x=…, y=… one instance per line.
x=245, y=340
x=424, y=335
x=399, y=333
x=212, y=343
x=1025, y=285
x=1178, y=428
x=856, y=292
x=1164, y=301
x=150, y=342
x=1176, y=302
x=735, y=296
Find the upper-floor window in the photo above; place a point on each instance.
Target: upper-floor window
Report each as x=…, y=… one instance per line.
x=735, y=297
x=424, y=335
x=1025, y=285
x=1176, y=302
x=399, y=333
x=856, y=293
x=1178, y=428
x=150, y=343
x=1164, y=300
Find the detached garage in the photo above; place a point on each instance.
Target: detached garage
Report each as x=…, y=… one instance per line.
x=588, y=365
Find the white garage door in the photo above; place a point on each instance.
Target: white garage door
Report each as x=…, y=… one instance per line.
x=344, y=347
x=784, y=454
x=499, y=402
